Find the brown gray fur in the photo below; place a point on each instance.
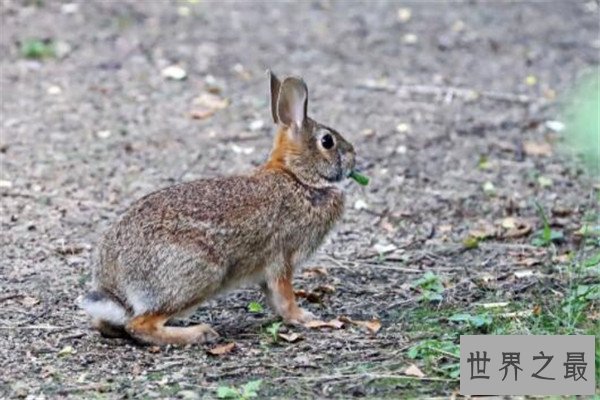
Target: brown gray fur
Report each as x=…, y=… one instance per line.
x=181, y=245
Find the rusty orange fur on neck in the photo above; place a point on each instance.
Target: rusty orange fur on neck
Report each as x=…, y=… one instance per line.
x=283, y=146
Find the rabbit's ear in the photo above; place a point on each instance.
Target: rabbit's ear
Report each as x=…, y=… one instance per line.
x=275, y=87
x=292, y=102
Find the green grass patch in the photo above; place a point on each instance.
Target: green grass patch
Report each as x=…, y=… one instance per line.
x=37, y=49
x=247, y=391
x=570, y=308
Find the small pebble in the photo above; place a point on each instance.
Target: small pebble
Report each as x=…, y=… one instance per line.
x=410, y=38
x=360, y=204
x=531, y=80
x=368, y=132
x=188, y=395
x=404, y=14
x=174, y=72
x=242, y=150
x=402, y=127
x=556, y=126
x=103, y=134
x=458, y=26
x=257, y=125
x=54, y=90
x=183, y=11
x=69, y=8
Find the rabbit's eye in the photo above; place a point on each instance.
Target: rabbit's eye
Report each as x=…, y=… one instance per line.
x=327, y=141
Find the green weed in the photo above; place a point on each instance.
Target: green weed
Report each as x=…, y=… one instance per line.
x=546, y=235
x=255, y=307
x=430, y=286
x=273, y=330
x=37, y=49
x=248, y=391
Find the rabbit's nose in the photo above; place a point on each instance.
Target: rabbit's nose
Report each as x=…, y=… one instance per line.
x=349, y=160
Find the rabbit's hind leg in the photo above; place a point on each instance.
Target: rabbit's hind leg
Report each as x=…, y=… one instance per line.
x=150, y=328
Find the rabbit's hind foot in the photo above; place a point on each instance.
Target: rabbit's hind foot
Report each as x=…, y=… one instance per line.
x=109, y=330
x=151, y=329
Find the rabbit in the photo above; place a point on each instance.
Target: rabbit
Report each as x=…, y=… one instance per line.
x=179, y=246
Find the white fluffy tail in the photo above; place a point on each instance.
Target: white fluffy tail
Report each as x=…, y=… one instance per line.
x=102, y=307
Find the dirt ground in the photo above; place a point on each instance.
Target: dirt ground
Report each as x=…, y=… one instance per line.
x=446, y=105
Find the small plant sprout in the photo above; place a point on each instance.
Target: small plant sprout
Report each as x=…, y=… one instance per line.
x=248, y=391
x=37, y=49
x=255, y=307
x=273, y=330
x=430, y=286
x=546, y=236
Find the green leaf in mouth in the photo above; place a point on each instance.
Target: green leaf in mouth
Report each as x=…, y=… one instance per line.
x=359, y=178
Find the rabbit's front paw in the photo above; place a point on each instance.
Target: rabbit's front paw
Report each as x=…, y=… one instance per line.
x=301, y=316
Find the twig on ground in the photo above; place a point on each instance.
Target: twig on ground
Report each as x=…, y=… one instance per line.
x=367, y=376
x=10, y=297
x=38, y=327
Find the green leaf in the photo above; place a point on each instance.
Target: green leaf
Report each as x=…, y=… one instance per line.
x=36, y=49
x=477, y=321
x=481, y=320
x=455, y=371
x=251, y=388
x=592, y=261
x=273, y=330
x=255, y=307
x=227, y=392
x=460, y=317
x=471, y=242
x=359, y=178
x=431, y=296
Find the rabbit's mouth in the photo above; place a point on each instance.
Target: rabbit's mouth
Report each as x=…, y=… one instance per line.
x=333, y=179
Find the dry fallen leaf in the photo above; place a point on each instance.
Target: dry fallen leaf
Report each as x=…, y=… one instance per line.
x=521, y=229
x=207, y=104
x=537, y=148
x=413, y=370
x=325, y=289
x=29, y=301
x=316, y=324
x=372, y=326
x=529, y=261
x=562, y=258
x=495, y=305
x=383, y=248
x=66, y=351
x=211, y=101
x=517, y=314
x=311, y=297
x=483, y=230
x=202, y=113
x=223, y=349
x=70, y=249
x=523, y=274
x=444, y=228
x=313, y=272
x=290, y=337
x=509, y=223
